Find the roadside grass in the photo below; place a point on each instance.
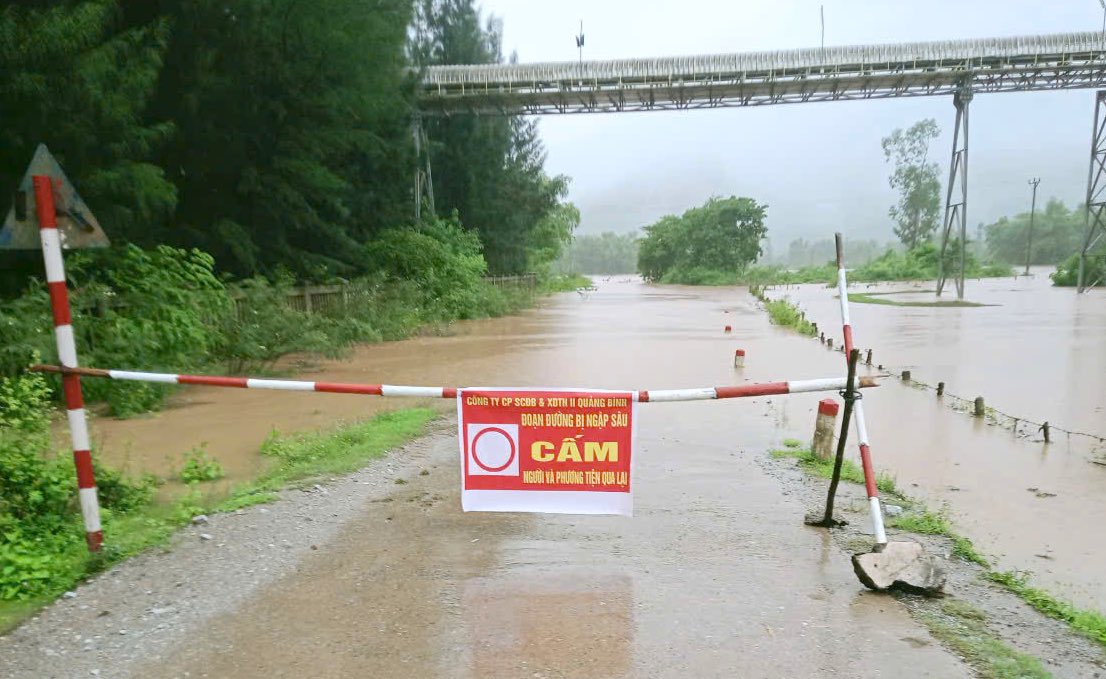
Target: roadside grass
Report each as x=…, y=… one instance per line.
x=962, y=627
x=297, y=458
x=877, y=298
x=564, y=283
x=925, y=522
x=919, y=520
x=303, y=457
x=850, y=471
x=1089, y=623
x=782, y=312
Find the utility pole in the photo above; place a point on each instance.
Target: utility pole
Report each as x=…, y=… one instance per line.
x=822, y=12
x=580, y=42
x=1032, y=213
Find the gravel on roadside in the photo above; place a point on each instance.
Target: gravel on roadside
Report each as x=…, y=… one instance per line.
x=142, y=608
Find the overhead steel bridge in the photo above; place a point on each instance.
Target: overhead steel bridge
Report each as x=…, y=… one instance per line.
x=1043, y=62
x=959, y=68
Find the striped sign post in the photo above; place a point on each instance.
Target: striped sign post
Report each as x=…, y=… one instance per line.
x=642, y=396
x=858, y=406
x=67, y=354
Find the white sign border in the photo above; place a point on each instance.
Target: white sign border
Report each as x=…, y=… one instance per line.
x=547, y=501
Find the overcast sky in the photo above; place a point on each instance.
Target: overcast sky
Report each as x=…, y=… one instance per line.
x=818, y=166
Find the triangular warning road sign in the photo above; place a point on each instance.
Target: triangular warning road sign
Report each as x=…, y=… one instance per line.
x=76, y=224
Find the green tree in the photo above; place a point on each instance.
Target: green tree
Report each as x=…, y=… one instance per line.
x=724, y=236
x=1057, y=233
x=293, y=142
x=75, y=77
x=487, y=168
x=550, y=237
x=916, y=180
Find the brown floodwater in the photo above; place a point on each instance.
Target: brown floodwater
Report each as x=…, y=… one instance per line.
x=714, y=576
x=628, y=335
x=1038, y=352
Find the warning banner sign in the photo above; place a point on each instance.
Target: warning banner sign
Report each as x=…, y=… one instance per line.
x=553, y=451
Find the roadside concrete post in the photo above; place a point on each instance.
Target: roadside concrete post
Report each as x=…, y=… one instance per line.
x=739, y=358
x=824, y=425
x=980, y=407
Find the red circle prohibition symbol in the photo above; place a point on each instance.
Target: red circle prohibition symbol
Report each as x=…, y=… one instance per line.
x=510, y=442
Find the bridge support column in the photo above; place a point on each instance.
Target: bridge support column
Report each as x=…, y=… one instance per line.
x=424, y=179
x=956, y=197
x=1096, y=185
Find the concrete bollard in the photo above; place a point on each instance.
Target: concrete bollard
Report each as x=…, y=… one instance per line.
x=829, y=342
x=739, y=358
x=980, y=408
x=815, y=326
x=728, y=329
x=940, y=388
x=824, y=425
x=906, y=376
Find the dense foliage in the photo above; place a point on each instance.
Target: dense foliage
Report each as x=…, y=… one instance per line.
x=273, y=134
x=1057, y=233
x=704, y=245
x=486, y=168
x=916, y=180
x=1067, y=272
x=606, y=253
x=42, y=546
x=165, y=310
x=921, y=264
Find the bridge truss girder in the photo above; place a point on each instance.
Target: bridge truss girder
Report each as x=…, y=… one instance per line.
x=1096, y=193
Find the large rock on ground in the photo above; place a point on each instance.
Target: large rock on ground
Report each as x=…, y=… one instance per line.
x=901, y=564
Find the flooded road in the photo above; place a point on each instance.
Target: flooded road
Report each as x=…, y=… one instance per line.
x=714, y=576
x=1039, y=353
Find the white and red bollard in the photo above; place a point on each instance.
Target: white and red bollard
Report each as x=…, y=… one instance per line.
x=739, y=358
x=825, y=423
x=728, y=328
x=67, y=355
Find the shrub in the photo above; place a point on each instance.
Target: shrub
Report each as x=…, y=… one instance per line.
x=1067, y=273
x=42, y=546
x=198, y=467
x=442, y=259
x=260, y=327
x=151, y=309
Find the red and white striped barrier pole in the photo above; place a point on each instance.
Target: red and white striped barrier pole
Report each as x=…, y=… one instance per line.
x=858, y=406
x=67, y=354
x=654, y=396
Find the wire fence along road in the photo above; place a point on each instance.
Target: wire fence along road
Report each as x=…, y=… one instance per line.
x=1038, y=62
